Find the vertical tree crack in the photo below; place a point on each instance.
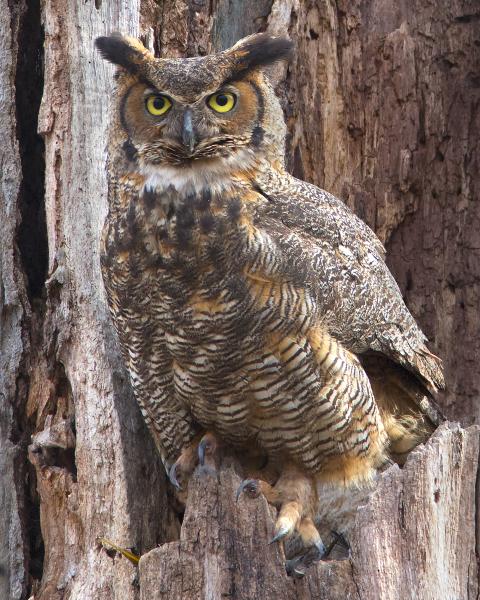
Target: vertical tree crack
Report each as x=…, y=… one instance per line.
x=32, y=246
x=32, y=232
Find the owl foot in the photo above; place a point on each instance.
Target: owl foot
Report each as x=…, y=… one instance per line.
x=201, y=450
x=294, y=495
x=207, y=448
x=308, y=533
x=338, y=541
x=184, y=466
x=296, y=567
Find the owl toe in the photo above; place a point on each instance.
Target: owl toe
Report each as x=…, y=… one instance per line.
x=250, y=487
x=280, y=534
x=172, y=476
x=208, y=448
x=297, y=567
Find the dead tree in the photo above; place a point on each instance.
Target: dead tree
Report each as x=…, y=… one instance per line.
x=382, y=104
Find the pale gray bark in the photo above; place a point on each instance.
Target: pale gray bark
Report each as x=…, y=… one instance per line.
x=13, y=311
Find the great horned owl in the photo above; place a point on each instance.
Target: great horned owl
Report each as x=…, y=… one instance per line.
x=255, y=311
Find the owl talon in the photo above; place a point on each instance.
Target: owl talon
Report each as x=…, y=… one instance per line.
x=250, y=486
x=201, y=453
x=207, y=447
x=282, y=532
x=172, y=476
x=296, y=567
x=320, y=546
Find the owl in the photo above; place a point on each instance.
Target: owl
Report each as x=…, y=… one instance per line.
x=255, y=311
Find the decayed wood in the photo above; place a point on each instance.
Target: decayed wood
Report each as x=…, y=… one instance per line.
x=417, y=533
x=78, y=392
x=415, y=539
x=381, y=103
x=224, y=552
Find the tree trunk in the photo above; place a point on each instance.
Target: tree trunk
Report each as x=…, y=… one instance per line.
x=382, y=104
x=414, y=540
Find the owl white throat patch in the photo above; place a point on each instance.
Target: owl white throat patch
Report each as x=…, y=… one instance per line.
x=217, y=174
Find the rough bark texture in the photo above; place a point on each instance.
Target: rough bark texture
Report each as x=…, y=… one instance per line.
x=382, y=103
x=13, y=312
x=394, y=88
x=415, y=538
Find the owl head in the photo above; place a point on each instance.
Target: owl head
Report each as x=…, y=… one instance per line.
x=206, y=114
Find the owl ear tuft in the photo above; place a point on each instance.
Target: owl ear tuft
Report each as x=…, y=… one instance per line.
x=259, y=50
x=124, y=51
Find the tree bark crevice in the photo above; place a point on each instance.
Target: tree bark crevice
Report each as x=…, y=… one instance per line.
x=31, y=233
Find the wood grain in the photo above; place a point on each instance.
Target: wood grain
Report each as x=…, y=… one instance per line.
x=13, y=311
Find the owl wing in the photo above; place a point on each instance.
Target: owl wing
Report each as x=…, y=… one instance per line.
x=338, y=257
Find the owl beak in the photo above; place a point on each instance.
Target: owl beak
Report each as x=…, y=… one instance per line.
x=188, y=134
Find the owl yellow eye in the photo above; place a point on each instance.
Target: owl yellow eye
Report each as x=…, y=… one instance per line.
x=157, y=104
x=222, y=103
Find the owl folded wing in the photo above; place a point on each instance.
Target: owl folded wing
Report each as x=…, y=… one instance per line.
x=334, y=254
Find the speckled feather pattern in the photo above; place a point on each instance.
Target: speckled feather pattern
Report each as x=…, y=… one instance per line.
x=343, y=261
x=245, y=299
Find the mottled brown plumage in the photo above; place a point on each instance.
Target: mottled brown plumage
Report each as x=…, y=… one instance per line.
x=249, y=304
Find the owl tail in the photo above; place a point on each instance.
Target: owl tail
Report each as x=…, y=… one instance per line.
x=408, y=411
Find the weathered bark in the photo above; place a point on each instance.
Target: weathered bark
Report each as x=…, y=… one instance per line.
x=415, y=538
x=97, y=473
x=382, y=105
x=14, y=310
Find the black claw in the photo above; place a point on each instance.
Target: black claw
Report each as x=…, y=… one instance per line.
x=202, y=447
x=173, y=476
x=247, y=485
x=298, y=574
x=295, y=568
x=320, y=546
x=279, y=535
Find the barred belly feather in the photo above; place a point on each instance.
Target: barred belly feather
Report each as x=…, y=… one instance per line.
x=236, y=347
